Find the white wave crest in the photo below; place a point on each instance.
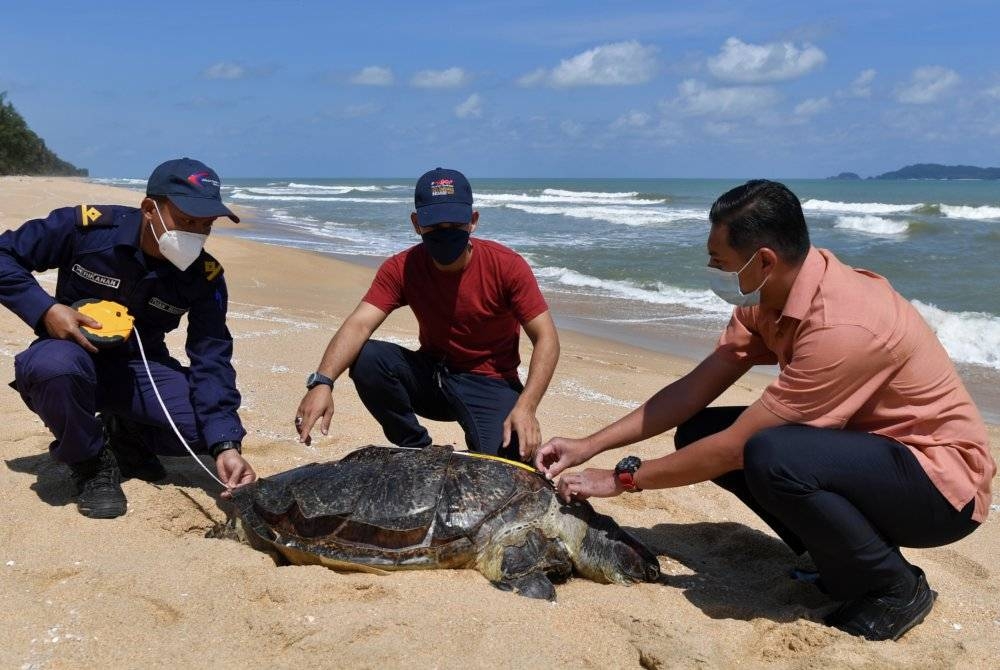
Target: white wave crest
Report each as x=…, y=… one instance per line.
x=628, y=216
x=984, y=213
x=873, y=225
x=500, y=199
x=335, y=187
x=702, y=301
x=968, y=337
x=243, y=195
x=119, y=181
x=589, y=194
x=858, y=207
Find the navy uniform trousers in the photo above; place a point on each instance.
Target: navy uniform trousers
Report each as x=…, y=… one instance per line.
x=397, y=384
x=65, y=386
x=849, y=498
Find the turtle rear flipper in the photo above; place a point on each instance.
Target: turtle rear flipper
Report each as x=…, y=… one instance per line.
x=529, y=567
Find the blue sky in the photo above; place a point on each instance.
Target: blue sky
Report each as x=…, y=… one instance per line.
x=508, y=88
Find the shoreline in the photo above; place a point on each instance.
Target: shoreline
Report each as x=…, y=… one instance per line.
x=572, y=312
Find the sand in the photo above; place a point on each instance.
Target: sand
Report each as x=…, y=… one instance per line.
x=150, y=590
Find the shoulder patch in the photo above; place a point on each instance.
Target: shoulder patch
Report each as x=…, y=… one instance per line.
x=212, y=269
x=94, y=216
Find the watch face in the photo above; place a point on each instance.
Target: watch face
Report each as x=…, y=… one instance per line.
x=628, y=464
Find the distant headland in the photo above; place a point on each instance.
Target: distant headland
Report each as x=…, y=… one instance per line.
x=931, y=171
x=22, y=152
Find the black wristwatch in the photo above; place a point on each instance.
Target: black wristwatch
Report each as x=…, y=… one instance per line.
x=625, y=473
x=225, y=445
x=316, y=378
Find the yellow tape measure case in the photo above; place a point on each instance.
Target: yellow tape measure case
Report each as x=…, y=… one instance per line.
x=116, y=322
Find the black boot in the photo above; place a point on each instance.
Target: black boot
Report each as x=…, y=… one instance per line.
x=887, y=615
x=98, y=486
x=134, y=458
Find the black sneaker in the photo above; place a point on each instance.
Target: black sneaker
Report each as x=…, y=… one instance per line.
x=884, y=617
x=98, y=486
x=135, y=460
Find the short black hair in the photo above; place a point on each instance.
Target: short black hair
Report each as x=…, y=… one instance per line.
x=763, y=213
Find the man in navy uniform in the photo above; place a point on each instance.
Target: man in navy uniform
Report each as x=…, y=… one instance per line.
x=149, y=259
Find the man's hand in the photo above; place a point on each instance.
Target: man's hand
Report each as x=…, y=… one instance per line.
x=523, y=422
x=63, y=323
x=589, y=483
x=316, y=404
x=560, y=453
x=233, y=470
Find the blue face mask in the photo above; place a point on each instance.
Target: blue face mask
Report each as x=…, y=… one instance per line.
x=445, y=245
x=726, y=285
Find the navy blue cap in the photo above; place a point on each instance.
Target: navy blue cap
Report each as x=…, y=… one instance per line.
x=191, y=186
x=443, y=196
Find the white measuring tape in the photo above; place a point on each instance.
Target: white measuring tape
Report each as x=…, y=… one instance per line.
x=142, y=353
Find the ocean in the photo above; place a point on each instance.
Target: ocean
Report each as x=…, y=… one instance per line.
x=623, y=258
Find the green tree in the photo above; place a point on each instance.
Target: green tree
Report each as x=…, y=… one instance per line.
x=23, y=152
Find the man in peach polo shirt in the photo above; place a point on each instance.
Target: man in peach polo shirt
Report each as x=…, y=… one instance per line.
x=866, y=441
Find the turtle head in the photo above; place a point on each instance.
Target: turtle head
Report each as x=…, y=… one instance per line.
x=606, y=552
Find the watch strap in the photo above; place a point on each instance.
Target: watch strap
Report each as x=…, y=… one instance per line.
x=225, y=445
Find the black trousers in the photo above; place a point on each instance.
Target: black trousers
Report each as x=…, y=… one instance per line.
x=850, y=499
x=397, y=384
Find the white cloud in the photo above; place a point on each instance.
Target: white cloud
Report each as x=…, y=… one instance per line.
x=927, y=84
x=812, y=106
x=616, y=64
x=861, y=87
x=472, y=107
x=993, y=92
x=373, y=75
x=757, y=63
x=225, y=71
x=696, y=98
x=534, y=78
x=632, y=119
x=453, y=77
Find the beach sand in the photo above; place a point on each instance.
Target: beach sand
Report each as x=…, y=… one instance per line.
x=149, y=590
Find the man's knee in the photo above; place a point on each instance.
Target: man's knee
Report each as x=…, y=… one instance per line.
x=766, y=463
x=48, y=359
x=373, y=361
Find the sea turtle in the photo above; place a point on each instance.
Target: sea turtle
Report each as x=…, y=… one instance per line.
x=392, y=508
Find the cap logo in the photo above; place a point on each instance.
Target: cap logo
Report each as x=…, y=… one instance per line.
x=443, y=187
x=199, y=179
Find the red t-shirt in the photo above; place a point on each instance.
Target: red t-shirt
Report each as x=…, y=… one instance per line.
x=472, y=318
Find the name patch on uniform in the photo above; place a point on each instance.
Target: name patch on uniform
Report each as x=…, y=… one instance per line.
x=90, y=275
x=159, y=304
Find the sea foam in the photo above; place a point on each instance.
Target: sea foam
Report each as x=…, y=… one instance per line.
x=501, y=199
x=984, y=213
x=873, y=225
x=968, y=337
x=628, y=216
x=662, y=294
x=858, y=207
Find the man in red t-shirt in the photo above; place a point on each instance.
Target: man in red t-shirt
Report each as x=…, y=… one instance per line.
x=471, y=300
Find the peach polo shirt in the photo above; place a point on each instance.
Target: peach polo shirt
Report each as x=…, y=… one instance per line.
x=854, y=354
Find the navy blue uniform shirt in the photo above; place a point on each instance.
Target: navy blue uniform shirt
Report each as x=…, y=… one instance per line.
x=96, y=250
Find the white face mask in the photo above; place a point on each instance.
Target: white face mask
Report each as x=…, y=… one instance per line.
x=177, y=246
x=726, y=285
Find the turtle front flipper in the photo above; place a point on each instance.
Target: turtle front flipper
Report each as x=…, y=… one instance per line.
x=531, y=585
x=529, y=563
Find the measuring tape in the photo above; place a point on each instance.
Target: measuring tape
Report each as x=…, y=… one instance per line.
x=117, y=325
